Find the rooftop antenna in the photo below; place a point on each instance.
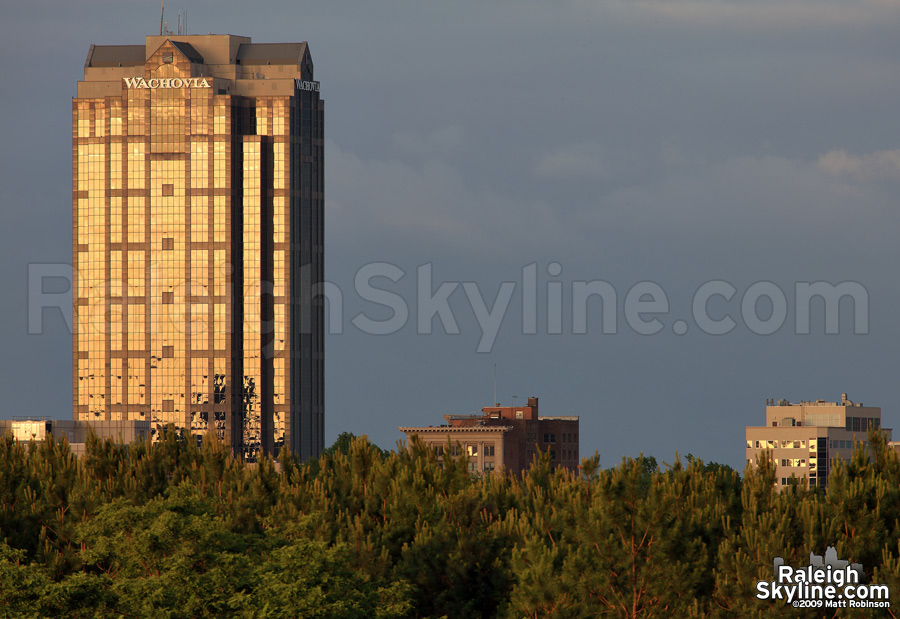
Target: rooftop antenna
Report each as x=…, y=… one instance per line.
x=162, y=10
x=495, y=386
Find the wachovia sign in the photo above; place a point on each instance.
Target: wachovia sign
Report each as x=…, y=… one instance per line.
x=306, y=85
x=166, y=82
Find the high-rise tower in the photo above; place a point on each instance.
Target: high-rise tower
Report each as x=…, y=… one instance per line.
x=197, y=196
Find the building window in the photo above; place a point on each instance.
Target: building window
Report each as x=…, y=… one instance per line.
x=520, y=414
x=168, y=57
x=552, y=454
x=168, y=190
x=454, y=450
x=488, y=466
x=168, y=406
x=168, y=298
x=473, y=467
x=168, y=243
x=168, y=352
x=472, y=450
x=489, y=450
x=552, y=438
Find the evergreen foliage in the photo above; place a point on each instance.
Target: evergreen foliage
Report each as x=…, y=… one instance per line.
x=173, y=530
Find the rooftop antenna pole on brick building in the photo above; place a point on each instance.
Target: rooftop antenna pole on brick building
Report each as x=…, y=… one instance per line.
x=162, y=10
x=496, y=403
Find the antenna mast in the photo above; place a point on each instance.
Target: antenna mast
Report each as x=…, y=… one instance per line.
x=162, y=9
x=495, y=385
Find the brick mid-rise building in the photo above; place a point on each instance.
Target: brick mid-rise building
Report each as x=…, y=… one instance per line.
x=503, y=437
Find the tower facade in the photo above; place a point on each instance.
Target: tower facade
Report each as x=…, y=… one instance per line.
x=198, y=212
x=803, y=439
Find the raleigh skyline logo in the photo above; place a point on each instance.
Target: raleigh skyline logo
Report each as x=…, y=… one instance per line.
x=166, y=82
x=828, y=583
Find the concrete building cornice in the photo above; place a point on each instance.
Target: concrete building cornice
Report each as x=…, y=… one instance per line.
x=447, y=429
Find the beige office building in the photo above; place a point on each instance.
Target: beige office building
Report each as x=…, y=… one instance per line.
x=198, y=240
x=76, y=433
x=803, y=438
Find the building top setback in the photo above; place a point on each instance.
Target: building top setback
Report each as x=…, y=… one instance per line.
x=115, y=56
x=230, y=64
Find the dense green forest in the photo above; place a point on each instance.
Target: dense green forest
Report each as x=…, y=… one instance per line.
x=172, y=530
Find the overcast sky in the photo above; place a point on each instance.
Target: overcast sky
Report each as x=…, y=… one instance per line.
x=673, y=141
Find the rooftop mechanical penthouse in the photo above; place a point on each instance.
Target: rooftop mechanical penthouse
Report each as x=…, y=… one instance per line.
x=197, y=198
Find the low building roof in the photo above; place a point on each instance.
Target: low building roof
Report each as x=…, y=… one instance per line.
x=454, y=429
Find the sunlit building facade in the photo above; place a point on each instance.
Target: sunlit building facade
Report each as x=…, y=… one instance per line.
x=502, y=438
x=198, y=240
x=803, y=439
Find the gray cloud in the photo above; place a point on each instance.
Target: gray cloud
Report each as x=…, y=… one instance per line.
x=756, y=16
x=881, y=165
x=671, y=141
